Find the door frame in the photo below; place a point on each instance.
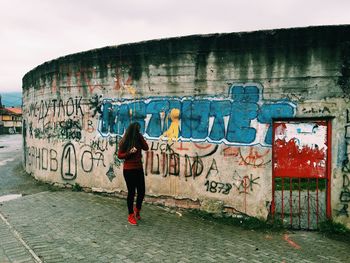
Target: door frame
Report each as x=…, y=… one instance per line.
x=328, y=163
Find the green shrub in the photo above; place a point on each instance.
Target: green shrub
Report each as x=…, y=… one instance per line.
x=335, y=231
x=331, y=227
x=77, y=188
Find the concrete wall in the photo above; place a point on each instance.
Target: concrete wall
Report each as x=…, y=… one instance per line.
x=214, y=150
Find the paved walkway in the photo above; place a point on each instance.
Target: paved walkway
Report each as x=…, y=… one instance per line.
x=79, y=227
x=65, y=226
x=13, y=180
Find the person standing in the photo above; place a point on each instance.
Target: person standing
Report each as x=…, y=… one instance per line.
x=130, y=149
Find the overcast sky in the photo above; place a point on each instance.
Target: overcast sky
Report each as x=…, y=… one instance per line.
x=35, y=31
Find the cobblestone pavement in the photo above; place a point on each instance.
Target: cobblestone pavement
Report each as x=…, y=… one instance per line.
x=65, y=226
x=80, y=227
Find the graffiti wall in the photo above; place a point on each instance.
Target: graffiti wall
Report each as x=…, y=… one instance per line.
x=344, y=197
x=206, y=106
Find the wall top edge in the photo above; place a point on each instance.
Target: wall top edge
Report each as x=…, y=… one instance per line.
x=289, y=39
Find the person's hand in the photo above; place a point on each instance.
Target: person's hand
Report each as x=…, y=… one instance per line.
x=133, y=150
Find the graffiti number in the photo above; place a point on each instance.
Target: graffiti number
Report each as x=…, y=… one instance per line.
x=69, y=162
x=217, y=187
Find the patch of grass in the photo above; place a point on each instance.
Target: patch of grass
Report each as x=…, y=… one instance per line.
x=18, y=169
x=77, y=188
x=303, y=184
x=46, y=186
x=244, y=221
x=335, y=230
x=53, y=188
x=30, y=184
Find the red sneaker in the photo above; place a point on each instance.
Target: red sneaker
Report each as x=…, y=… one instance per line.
x=132, y=220
x=137, y=213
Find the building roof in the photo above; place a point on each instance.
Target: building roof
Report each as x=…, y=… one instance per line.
x=10, y=111
x=15, y=110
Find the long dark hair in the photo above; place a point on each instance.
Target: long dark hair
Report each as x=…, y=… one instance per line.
x=131, y=137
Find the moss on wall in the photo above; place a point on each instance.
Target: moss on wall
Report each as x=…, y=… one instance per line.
x=290, y=47
x=344, y=78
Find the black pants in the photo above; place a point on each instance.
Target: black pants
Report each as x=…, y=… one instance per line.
x=135, y=181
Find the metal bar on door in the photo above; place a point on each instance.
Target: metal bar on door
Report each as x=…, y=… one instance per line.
x=299, y=204
x=282, y=211
x=273, y=176
x=291, y=201
x=329, y=152
x=317, y=202
x=273, y=198
x=308, y=203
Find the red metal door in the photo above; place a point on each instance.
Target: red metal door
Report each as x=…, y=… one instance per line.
x=301, y=172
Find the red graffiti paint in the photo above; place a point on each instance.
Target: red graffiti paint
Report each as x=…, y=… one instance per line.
x=120, y=80
x=248, y=156
x=291, y=242
x=254, y=157
x=202, y=146
x=181, y=148
x=87, y=79
x=230, y=151
x=53, y=86
x=78, y=79
x=128, y=81
x=69, y=81
x=117, y=80
x=293, y=159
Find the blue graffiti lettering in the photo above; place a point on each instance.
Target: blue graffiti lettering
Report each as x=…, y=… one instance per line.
x=239, y=130
x=219, y=109
x=232, y=120
x=277, y=110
